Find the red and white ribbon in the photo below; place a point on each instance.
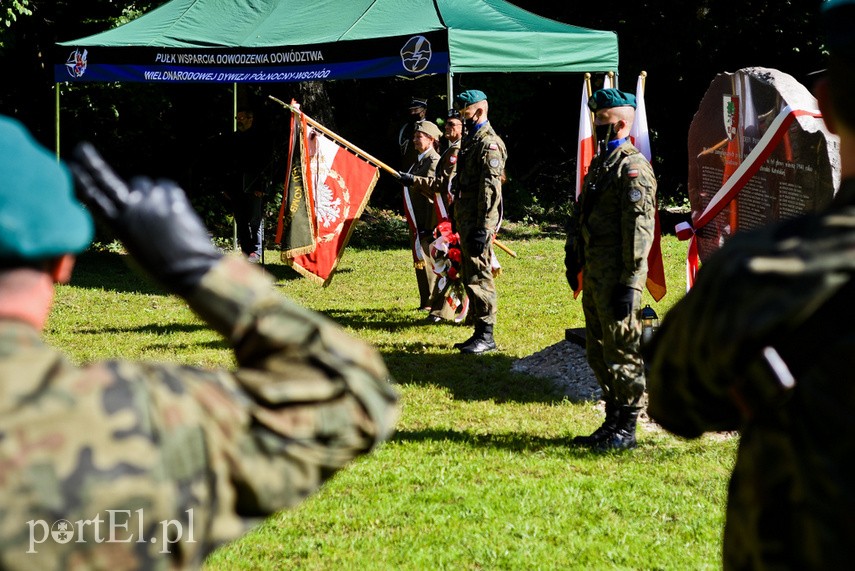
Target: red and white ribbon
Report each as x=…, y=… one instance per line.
x=737, y=181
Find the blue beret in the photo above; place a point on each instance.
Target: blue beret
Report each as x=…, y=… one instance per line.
x=39, y=216
x=467, y=98
x=838, y=19
x=608, y=98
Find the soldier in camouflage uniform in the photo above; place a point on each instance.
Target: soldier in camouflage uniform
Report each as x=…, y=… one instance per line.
x=477, y=214
x=130, y=465
x=419, y=208
x=610, y=235
x=438, y=188
x=764, y=343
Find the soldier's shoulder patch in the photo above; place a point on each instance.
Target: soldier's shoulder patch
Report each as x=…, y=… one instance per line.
x=493, y=147
x=452, y=159
x=632, y=173
x=634, y=195
x=494, y=163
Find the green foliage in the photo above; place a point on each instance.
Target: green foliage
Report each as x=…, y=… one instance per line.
x=378, y=228
x=480, y=474
x=14, y=9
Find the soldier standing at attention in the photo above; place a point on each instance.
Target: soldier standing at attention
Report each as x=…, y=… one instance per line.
x=611, y=231
x=419, y=209
x=438, y=189
x=477, y=214
x=764, y=343
x=131, y=465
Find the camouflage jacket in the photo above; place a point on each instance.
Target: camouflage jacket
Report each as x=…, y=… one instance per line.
x=614, y=221
x=478, y=184
x=422, y=210
x=130, y=465
x=778, y=295
x=440, y=183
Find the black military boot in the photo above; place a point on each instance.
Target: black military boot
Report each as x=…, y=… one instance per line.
x=482, y=342
x=472, y=338
x=623, y=437
x=604, y=431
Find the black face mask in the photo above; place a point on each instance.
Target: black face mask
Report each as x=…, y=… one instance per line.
x=604, y=133
x=469, y=123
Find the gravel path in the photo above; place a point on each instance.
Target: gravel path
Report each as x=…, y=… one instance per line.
x=565, y=364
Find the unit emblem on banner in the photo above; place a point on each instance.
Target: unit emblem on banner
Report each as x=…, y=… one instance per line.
x=76, y=63
x=730, y=110
x=416, y=54
x=333, y=206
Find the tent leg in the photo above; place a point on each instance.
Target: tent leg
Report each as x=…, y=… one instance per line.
x=56, y=118
x=449, y=89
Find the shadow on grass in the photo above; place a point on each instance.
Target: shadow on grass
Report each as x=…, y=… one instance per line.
x=110, y=271
x=469, y=377
x=431, y=360
x=648, y=449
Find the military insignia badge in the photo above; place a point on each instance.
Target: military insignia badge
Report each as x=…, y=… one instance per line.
x=494, y=163
x=632, y=173
x=452, y=159
x=494, y=147
x=634, y=195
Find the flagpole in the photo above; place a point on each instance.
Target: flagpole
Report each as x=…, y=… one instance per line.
x=347, y=144
x=344, y=142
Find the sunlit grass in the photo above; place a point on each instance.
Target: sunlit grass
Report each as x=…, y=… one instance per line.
x=479, y=475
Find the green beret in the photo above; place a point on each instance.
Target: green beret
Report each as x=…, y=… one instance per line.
x=430, y=129
x=838, y=19
x=39, y=216
x=608, y=98
x=467, y=98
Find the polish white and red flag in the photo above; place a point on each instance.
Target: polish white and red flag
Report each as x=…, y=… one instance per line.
x=340, y=184
x=585, y=149
x=640, y=135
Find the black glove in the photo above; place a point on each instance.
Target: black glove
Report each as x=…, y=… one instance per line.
x=622, y=301
x=405, y=178
x=572, y=274
x=154, y=220
x=478, y=241
x=572, y=266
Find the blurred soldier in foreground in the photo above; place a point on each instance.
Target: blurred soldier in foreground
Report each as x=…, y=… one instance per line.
x=477, y=214
x=764, y=343
x=123, y=465
x=610, y=236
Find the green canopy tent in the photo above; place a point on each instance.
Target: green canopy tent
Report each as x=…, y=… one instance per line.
x=297, y=40
x=259, y=41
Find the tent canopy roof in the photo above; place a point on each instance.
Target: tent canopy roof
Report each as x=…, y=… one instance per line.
x=478, y=35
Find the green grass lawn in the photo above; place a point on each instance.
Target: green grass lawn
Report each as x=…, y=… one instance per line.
x=480, y=474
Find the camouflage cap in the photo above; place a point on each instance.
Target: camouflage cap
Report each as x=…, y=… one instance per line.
x=611, y=97
x=39, y=216
x=467, y=98
x=838, y=18
x=429, y=128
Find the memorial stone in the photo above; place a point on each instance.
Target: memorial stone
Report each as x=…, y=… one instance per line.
x=800, y=175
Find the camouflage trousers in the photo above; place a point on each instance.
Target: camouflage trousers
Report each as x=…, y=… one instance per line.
x=478, y=280
x=612, y=346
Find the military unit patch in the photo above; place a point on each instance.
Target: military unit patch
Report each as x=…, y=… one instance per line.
x=634, y=194
x=632, y=173
x=494, y=163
